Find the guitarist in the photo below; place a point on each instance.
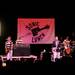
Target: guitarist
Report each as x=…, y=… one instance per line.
x=67, y=48
x=9, y=48
x=55, y=50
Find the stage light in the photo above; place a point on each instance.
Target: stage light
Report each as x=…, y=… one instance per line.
x=2, y=27
x=3, y=64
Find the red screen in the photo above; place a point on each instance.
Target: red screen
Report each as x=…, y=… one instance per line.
x=36, y=30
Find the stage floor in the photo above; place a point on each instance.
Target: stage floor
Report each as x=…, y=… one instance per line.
x=4, y=58
x=29, y=64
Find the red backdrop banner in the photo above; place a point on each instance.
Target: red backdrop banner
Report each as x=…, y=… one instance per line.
x=36, y=30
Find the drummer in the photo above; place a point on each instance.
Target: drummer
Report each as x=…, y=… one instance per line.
x=19, y=41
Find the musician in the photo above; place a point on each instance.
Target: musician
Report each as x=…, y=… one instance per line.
x=67, y=48
x=9, y=48
x=55, y=49
x=66, y=41
x=56, y=43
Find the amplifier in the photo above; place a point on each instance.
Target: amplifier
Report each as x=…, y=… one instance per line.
x=21, y=51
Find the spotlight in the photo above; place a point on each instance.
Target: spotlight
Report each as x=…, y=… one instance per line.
x=3, y=64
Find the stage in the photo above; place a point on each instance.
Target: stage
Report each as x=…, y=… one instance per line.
x=4, y=58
